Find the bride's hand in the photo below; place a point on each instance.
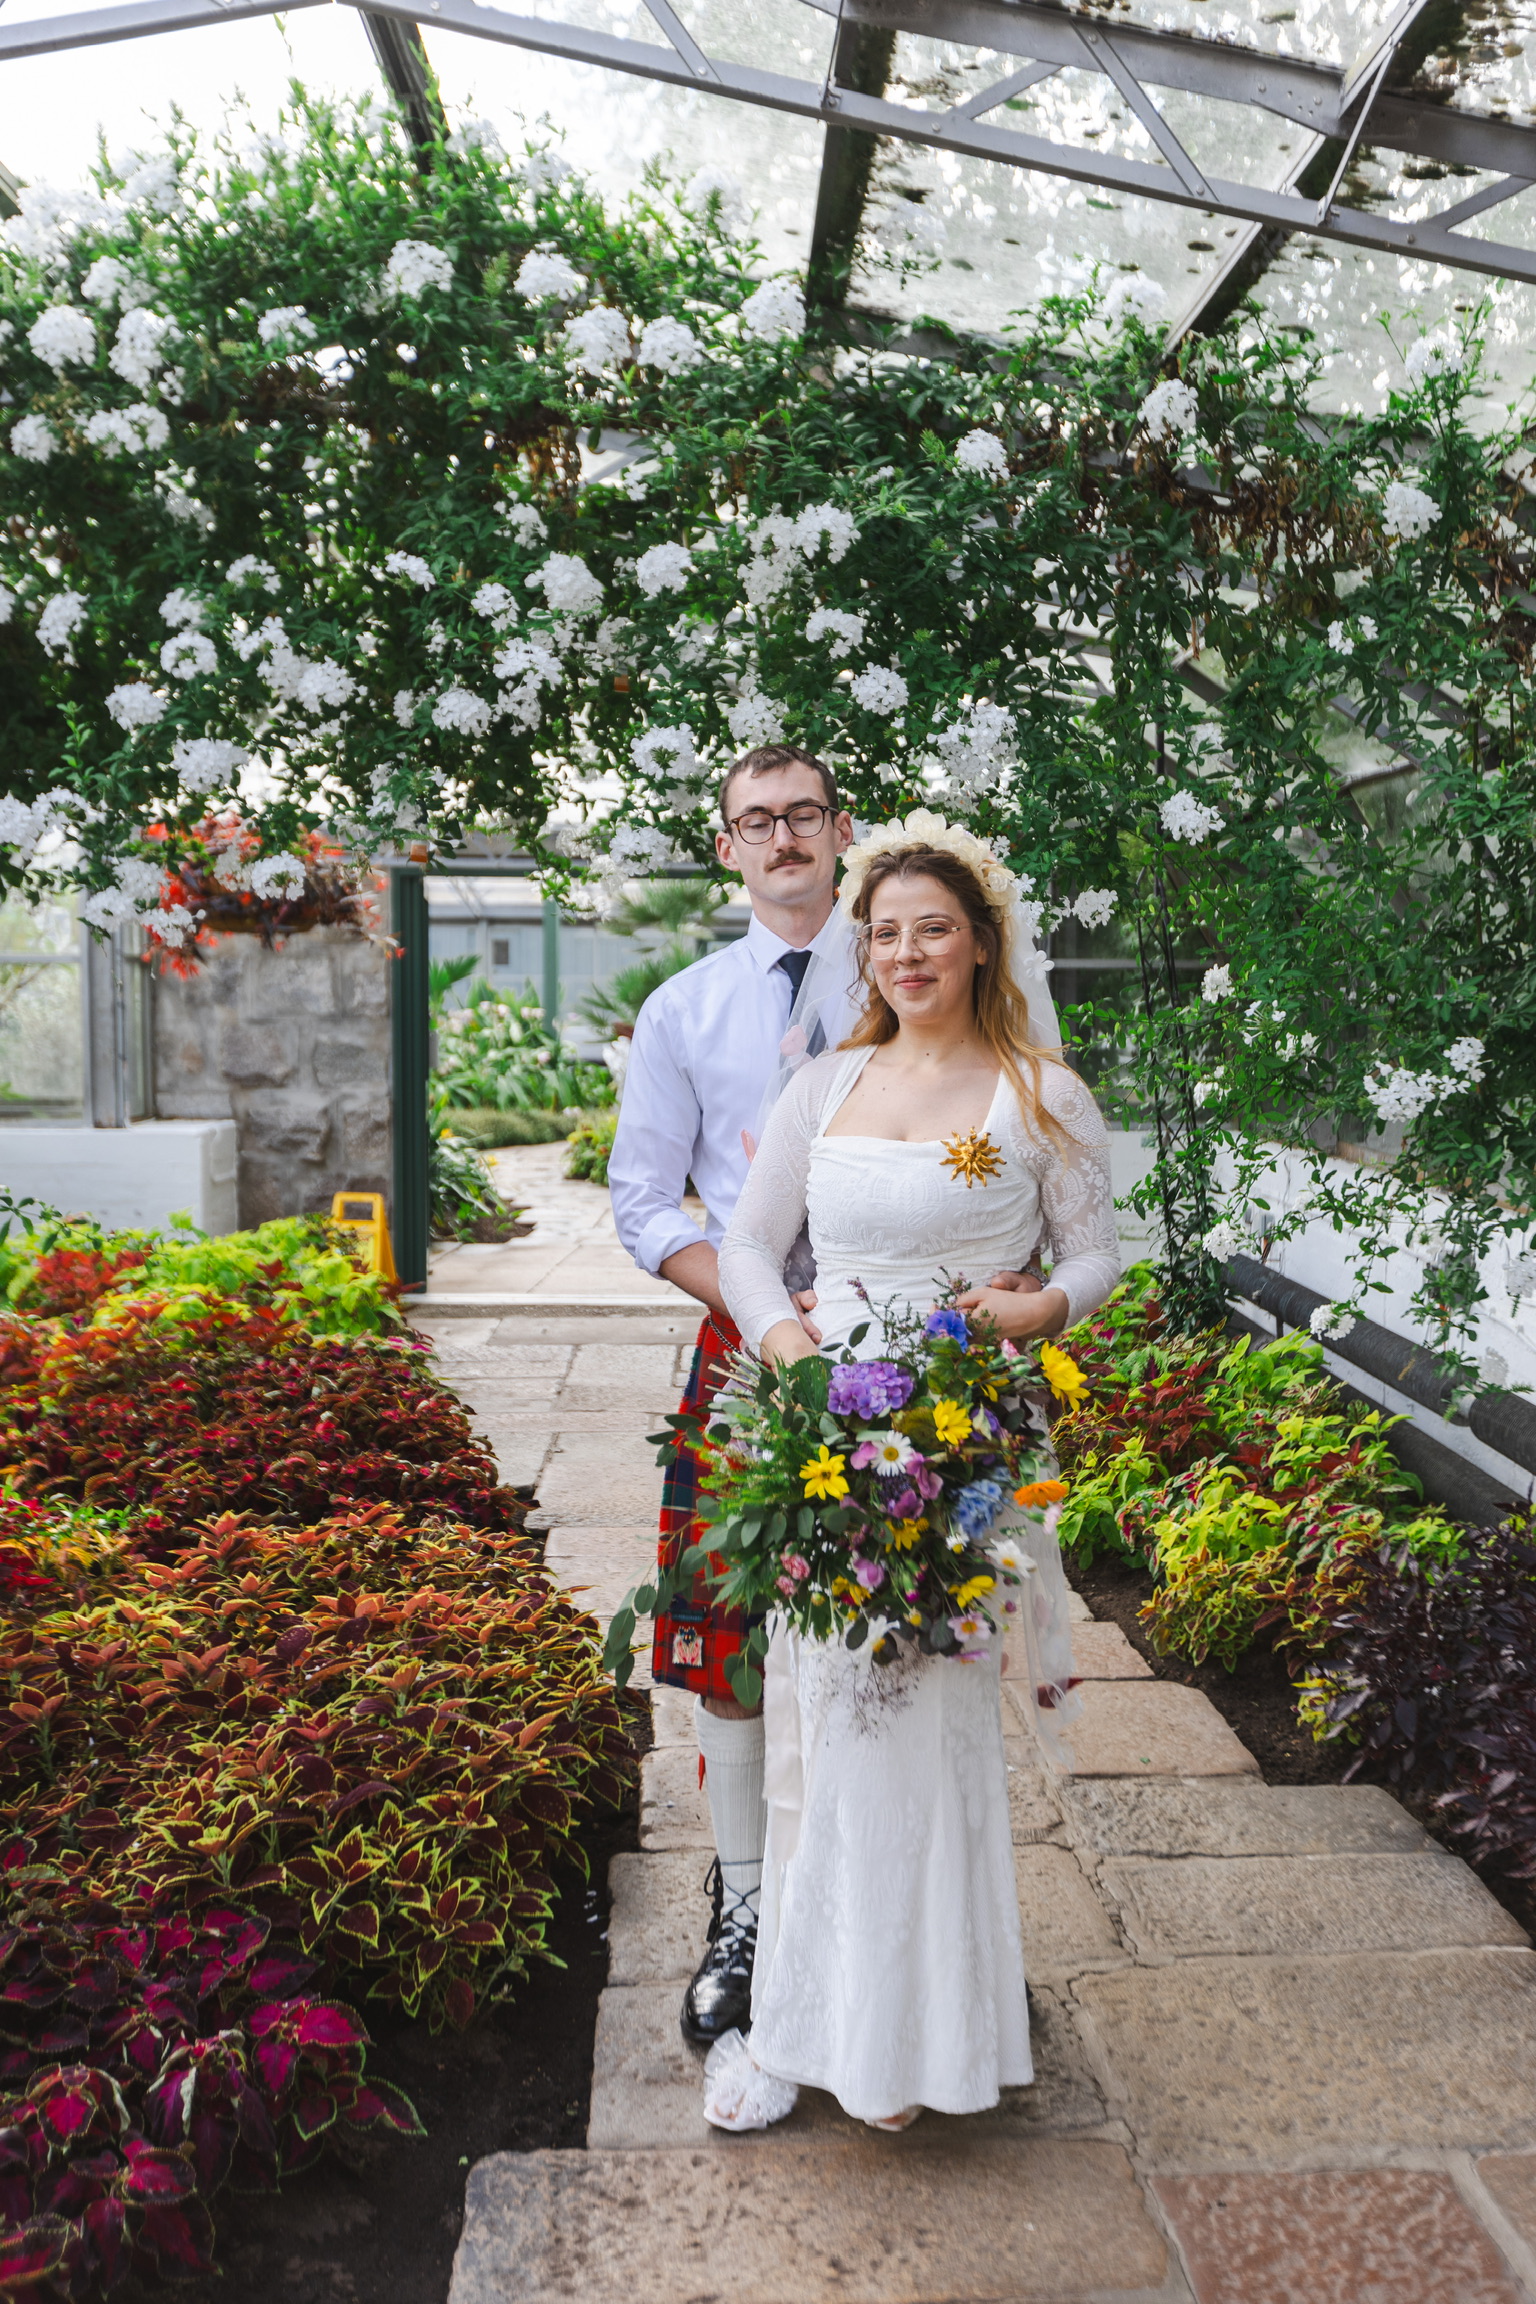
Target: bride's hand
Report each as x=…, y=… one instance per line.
x=1041, y=1313
x=786, y=1340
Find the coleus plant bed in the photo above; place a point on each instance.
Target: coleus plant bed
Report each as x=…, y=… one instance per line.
x=146, y=2060
x=378, y=1734
x=1253, y=1491
x=183, y=1409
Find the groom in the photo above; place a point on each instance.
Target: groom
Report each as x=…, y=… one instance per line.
x=704, y=1054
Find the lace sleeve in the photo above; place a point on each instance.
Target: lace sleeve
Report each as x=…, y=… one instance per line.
x=771, y=1211
x=1077, y=1198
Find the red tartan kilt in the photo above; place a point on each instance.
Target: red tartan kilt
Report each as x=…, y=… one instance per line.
x=694, y=1640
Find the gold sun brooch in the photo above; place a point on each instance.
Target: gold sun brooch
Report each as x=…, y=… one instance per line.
x=975, y=1158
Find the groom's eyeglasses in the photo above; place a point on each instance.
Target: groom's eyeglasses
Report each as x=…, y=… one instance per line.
x=805, y=820
x=929, y=935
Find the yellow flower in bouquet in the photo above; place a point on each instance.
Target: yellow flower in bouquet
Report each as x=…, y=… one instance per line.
x=1063, y=1374
x=823, y=1476
x=903, y=1534
x=963, y=1595
x=952, y=1422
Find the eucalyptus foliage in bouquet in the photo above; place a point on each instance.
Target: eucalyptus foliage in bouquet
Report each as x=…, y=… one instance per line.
x=858, y=1498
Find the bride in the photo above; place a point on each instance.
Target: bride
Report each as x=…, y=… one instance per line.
x=889, y=1968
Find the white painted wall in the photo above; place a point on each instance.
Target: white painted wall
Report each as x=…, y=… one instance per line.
x=1328, y=1261
x=135, y=1177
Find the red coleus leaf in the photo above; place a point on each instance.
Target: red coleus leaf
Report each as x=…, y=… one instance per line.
x=378, y=2103
x=69, y=2102
x=313, y=2114
x=273, y=2063
x=280, y=1974
x=33, y=2252
x=322, y=2024
x=154, y=2175
x=106, y=2228
x=459, y=2002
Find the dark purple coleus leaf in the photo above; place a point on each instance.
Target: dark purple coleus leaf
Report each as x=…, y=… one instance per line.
x=180, y=2237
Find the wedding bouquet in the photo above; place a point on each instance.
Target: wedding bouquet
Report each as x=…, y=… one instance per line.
x=857, y=1498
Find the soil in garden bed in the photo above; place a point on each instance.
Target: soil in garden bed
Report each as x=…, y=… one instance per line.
x=518, y=2080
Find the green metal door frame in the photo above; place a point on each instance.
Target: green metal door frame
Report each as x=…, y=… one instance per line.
x=411, y=1056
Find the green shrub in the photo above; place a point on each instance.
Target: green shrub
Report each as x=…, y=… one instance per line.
x=498, y=1051
x=303, y=1267
x=591, y=1143
x=491, y=1131
x=1234, y=1471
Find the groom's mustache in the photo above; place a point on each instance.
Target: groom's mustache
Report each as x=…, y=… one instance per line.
x=789, y=856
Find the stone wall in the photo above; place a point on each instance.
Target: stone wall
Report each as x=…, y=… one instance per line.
x=294, y=1046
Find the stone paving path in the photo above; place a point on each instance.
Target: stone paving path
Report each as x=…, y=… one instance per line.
x=1286, y=2047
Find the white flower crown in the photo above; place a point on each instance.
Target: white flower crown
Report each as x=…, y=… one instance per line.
x=923, y=829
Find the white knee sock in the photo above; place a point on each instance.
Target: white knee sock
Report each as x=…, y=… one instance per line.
x=733, y=1778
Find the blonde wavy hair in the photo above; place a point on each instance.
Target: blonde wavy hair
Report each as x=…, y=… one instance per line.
x=999, y=1007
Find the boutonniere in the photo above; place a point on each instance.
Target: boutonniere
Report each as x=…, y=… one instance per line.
x=972, y=1157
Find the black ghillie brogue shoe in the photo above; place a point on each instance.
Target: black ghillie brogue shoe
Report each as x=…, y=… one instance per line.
x=719, y=2000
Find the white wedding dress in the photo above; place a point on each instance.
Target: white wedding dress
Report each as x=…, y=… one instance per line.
x=889, y=1967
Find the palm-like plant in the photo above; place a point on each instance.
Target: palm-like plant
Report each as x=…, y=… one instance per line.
x=679, y=910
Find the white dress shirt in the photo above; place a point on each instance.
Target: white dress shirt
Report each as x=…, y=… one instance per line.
x=703, y=1058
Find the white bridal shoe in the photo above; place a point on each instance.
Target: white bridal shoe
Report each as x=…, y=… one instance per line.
x=738, y=2094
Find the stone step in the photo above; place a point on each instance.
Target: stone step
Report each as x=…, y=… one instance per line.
x=915, y=2219
x=1232, y=2062
x=648, y=2083
x=1212, y=1816
x=1148, y=1728
x=1183, y=1907
x=1102, y=1652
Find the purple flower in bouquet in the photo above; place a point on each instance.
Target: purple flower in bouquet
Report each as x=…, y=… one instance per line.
x=903, y=1505
x=868, y=1388
x=947, y=1322
x=870, y=1574
x=927, y=1483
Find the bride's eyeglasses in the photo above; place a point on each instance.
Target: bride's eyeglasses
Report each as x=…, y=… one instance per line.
x=929, y=935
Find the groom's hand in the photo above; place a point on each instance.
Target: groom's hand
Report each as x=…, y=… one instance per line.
x=1020, y=1283
x=804, y=1302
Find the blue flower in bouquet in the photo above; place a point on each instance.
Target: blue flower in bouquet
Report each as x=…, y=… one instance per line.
x=947, y=1322
x=868, y=1389
x=975, y=1508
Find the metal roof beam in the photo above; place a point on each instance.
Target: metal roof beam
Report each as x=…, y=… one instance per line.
x=861, y=59
x=1319, y=97
x=402, y=59
x=128, y=19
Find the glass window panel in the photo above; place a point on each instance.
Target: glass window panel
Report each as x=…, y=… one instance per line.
x=611, y=125
x=41, y=1036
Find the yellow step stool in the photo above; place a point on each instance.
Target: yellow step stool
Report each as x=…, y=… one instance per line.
x=363, y=1213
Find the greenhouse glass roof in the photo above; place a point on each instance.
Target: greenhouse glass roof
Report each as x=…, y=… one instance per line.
x=1339, y=162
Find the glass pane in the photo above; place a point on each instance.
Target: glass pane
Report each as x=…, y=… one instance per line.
x=56, y=106
x=612, y=125
x=41, y=1053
